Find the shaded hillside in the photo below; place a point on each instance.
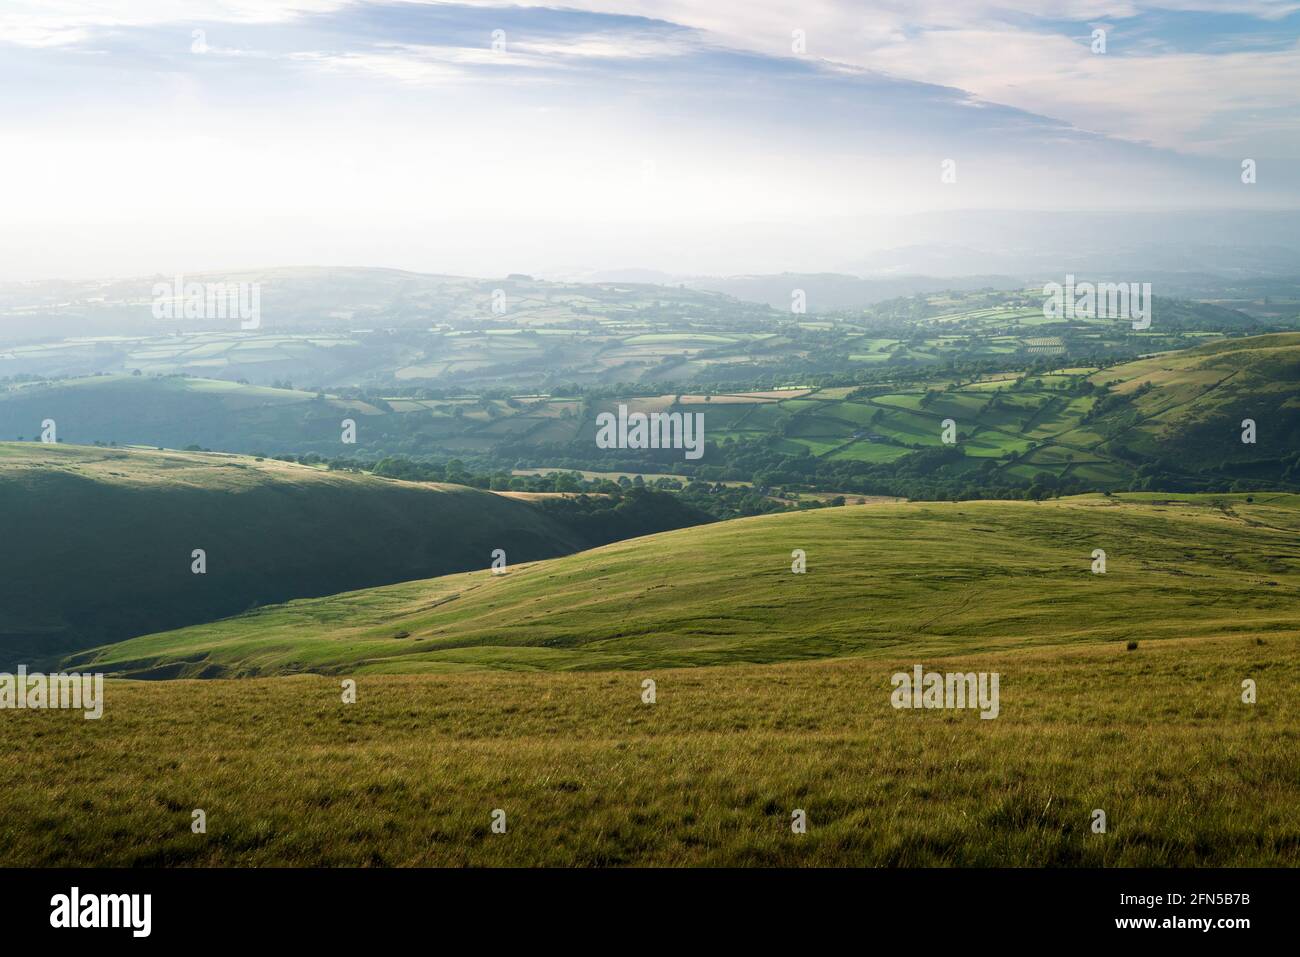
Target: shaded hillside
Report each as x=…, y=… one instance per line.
x=97, y=543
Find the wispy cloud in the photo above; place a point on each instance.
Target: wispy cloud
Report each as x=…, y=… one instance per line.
x=439, y=63
x=370, y=132
x=1198, y=75
x=46, y=23
x=1171, y=75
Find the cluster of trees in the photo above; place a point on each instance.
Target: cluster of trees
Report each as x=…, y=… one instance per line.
x=688, y=502
x=613, y=517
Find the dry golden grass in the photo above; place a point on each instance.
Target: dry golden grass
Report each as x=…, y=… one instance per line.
x=709, y=775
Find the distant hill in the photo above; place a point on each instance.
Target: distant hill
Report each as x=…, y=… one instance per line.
x=97, y=543
x=342, y=328
x=315, y=298
x=830, y=292
x=920, y=580
x=176, y=412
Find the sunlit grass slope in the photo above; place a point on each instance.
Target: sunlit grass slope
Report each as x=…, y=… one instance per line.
x=1158, y=738
x=910, y=578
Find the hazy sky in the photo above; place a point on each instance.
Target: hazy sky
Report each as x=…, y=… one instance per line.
x=145, y=136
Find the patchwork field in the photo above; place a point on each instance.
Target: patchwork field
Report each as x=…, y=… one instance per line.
x=1180, y=411
x=341, y=328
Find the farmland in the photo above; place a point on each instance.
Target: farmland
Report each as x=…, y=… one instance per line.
x=1080, y=426
x=328, y=330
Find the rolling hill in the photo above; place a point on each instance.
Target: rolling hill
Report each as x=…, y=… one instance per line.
x=97, y=543
x=1175, y=416
x=920, y=579
x=340, y=327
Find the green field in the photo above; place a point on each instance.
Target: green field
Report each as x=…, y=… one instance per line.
x=1206, y=587
x=523, y=693
x=924, y=579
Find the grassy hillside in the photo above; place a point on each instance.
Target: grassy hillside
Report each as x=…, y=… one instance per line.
x=1192, y=413
x=882, y=580
x=97, y=543
x=587, y=774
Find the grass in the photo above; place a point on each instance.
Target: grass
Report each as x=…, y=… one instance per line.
x=931, y=578
x=866, y=451
x=708, y=775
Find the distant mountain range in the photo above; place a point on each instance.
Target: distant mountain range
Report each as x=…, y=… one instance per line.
x=1192, y=254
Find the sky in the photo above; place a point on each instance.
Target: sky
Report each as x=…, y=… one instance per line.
x=690, y=136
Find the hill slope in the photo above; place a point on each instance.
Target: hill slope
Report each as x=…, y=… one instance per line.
x=923, y=579
x=97, y=543
x=1193, y=411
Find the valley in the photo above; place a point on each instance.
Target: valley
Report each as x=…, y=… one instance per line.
x=366, y=582
x=1170, y=421
x=124, y=524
